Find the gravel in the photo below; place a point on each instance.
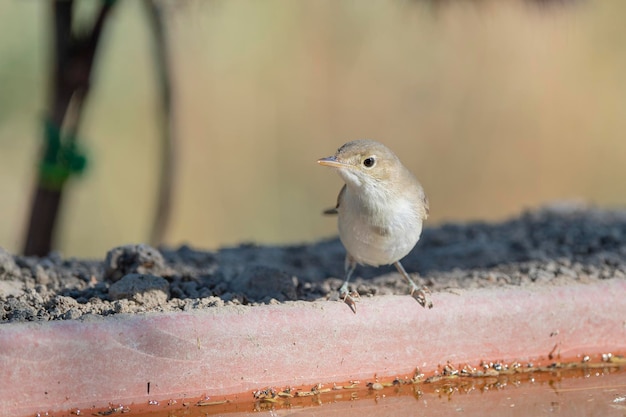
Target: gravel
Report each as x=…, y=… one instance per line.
x=557, y=244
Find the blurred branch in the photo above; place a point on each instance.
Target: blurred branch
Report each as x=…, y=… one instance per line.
x=168, y=151
x=74, y=56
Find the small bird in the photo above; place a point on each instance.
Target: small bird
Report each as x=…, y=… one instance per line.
x=381, y=208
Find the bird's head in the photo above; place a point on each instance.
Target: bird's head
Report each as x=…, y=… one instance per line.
x=363, y=162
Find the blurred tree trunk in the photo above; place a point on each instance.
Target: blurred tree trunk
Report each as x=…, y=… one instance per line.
x=156, y=22
x=72, y=63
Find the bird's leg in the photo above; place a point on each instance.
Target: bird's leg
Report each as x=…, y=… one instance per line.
x=349, y=266
x=420, y=294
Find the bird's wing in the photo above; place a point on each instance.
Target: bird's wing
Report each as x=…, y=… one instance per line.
x=426, y=205
x=332, y=211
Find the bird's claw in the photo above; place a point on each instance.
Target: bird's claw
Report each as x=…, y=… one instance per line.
x=422, y=296
x=349, y=297
x=350, y=301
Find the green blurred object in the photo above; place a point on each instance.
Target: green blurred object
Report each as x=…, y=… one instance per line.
x=63, y=157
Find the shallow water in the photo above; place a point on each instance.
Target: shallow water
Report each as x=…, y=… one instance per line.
x=581, y=392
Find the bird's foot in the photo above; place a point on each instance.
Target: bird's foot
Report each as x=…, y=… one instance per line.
x=348, y=297
x=421, y=295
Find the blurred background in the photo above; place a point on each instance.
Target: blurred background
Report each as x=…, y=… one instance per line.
x=496, y=106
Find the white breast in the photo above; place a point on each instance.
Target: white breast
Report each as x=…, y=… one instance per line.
x=378, y=230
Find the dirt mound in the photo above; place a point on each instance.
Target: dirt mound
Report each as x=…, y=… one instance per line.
x=550, y=245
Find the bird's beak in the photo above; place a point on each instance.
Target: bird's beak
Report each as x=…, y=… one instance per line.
x=332, y=161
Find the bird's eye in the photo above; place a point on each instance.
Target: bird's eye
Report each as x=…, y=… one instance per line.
x=369, y=162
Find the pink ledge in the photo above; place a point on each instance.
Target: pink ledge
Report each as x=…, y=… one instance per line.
x=53, y=366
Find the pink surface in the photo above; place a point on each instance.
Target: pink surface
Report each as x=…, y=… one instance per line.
x=219, y=351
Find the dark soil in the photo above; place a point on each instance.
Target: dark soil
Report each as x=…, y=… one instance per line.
x=553, y=245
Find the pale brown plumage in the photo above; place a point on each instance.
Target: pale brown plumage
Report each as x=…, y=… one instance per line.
x=380, y=208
